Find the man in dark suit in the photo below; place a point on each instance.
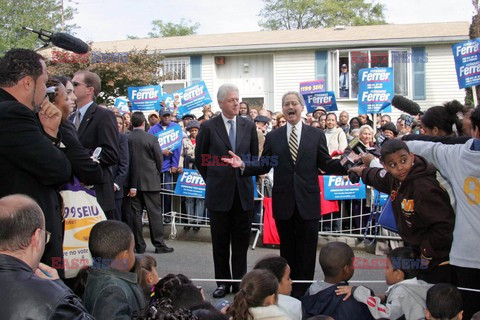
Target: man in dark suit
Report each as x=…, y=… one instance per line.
x=149, y=159
x=97, y=127
x=296, y=151
x=229, y=195
x=30, y=161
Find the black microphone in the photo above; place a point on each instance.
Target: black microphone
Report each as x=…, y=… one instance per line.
x=62, y=40
x=406, y=105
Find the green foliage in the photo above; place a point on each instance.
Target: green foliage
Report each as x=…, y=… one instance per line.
x=304, y=14
x=140, y=69
x=36, y=14
x=169, y=29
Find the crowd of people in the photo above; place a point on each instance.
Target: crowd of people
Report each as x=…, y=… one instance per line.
x=51, y=130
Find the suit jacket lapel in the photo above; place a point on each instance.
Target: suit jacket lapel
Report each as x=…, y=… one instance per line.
x=86, y=119
x=222, y=131
x=284, y=144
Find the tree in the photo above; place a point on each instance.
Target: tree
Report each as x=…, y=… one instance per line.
x=36, y=14
x=304, y=14
x=118, y=71
x=170, y=29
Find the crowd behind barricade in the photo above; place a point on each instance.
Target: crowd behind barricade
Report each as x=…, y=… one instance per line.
x=53, y=134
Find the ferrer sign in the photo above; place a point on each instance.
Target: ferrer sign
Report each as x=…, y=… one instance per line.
x=375, y=90
x=145, y=98
x=467, y=62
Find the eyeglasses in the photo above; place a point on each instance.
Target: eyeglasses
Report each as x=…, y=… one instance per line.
x=48, y=235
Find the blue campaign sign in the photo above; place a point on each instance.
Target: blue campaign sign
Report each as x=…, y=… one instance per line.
x=168, y=99
x=191, y=97
x=122, y=105
x=171, y=138
x=379, y=198
x=467, y=62
x=145, y=98
x=337, y=188
x=190, y=184
x=375, y=90
x=322, y=99
x=314, y=86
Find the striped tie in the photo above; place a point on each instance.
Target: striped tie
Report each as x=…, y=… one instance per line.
x=293, y=144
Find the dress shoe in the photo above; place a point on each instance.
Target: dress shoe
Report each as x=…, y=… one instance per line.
x=220, y=292
x=196, y=228
x=187, y=228
x=163, y=250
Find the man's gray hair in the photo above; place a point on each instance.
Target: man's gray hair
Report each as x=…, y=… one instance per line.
x=225, y=89
x=20, y=216
x=299, y=96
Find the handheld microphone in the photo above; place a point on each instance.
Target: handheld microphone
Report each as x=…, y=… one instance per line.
x=62, y=40
x=406, y=105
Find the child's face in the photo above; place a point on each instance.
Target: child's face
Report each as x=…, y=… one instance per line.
x=392, y=276
x=399, y=163
x=152, y=277
x=285, y=285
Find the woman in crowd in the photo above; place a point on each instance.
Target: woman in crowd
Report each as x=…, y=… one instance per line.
x=443, y=120
x=281, y=120
x=244, y=110
x=366, y=135
x=336, y=138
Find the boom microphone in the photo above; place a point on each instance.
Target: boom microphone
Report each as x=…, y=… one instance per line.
x=62, y=40
x=406, y=105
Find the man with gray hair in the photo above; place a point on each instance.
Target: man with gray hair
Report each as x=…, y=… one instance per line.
x=30, y=289
x=229, y=195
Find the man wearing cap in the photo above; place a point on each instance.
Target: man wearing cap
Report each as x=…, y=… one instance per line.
x=171, y=159
x=318, y=113
x=194, y=207
x=186, y=118
x=153, y=118
x=343, y=81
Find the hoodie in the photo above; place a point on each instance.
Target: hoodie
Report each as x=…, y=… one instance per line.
x=459, y=164
x=271, y=312
x=326, y=302
x=422, y=209
x=404, y=298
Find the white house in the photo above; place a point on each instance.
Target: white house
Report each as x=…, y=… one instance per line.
x=266, y=64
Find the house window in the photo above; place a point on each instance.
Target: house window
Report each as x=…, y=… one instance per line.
x=175, y=69
x=347, y=63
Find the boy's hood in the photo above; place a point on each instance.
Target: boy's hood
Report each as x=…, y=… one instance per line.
x=417, y=289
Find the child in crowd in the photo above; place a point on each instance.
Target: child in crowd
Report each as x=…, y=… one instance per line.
x=281, y=270
x=422, y=210
x=444, y=302
x=146, y=269
x=406, y=296
x=336, y=260
x=112, y=292
x=257, y=298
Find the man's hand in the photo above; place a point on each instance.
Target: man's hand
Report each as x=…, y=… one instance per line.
x=173, y=170
x=357, y=170
x=235, y=161
x=166, y=152
x=179, y=169
x=50, y=117
x=43, y=270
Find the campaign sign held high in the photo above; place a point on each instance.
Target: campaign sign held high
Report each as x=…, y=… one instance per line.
x=145, y=98
x=375, y=90
x=467, y=62
x=337, y=188
x=122, y=105
x=191, y=97
x=322, y=99
x=314, y=86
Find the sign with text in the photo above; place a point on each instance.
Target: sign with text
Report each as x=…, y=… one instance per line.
x=191, y=97
x=322, y=99
x=337, y=188
x=314, y=86
x=145, y=98
x=467, y=62
x=122, y=105
x=171, y=138
x=190, y=184
x=375, y=90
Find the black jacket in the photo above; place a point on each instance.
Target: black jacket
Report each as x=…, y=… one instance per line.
x=23, y=295
x=326, y=302
x=31, y=164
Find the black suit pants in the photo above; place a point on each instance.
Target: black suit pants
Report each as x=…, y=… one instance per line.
x=298, y=245
x=230, y=228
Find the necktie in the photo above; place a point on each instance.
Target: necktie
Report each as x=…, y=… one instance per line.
x=231, y=134
x=77, y=120
x=293, y=144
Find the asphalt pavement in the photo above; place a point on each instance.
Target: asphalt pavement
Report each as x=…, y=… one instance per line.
x=193, y=258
